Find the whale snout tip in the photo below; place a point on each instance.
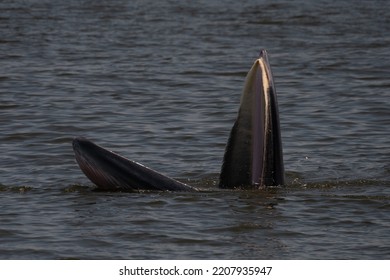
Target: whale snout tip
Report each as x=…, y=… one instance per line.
x=78, y=141
x=263, y=53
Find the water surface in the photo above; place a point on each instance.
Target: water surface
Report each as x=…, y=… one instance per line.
x=160, y=83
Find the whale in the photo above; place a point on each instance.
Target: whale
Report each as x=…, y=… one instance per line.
x=253, y=155
x=110, y=171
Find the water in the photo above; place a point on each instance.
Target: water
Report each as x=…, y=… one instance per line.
x=160, y=83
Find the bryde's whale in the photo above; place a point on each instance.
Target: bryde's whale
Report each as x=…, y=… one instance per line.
x=110, y=171
x=253, y=155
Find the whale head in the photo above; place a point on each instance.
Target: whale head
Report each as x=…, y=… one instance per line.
x=253, y=154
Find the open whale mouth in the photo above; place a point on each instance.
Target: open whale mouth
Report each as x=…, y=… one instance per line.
x=253, y=155
x=110, y=171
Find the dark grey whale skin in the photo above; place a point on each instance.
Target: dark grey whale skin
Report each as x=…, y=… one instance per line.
x=253, y=155
x=110, y=171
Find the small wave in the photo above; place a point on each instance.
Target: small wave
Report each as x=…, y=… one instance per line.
x=16, y=189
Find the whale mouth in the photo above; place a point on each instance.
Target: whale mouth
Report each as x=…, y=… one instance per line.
x=96, y=164
x=253, y=154
x=110, y=171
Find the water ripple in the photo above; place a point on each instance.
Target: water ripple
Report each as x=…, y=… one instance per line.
x=162, y=86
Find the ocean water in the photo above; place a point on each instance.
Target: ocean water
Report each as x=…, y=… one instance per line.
x=160, y=83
